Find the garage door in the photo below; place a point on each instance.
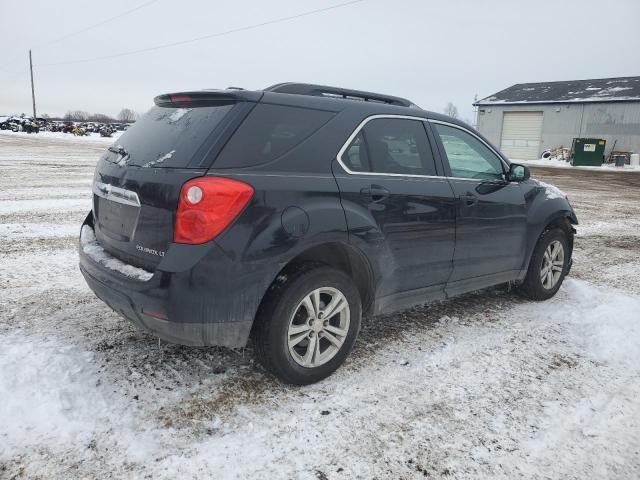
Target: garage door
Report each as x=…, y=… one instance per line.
x=521, y=135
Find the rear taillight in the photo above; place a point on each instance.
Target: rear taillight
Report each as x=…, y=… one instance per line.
x=207, y=206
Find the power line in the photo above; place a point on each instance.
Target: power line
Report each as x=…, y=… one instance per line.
x=204, y=37
x=77, y=32
x=86, y=29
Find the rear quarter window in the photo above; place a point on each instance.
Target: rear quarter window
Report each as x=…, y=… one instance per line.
x=170, y=137
x=269, y=132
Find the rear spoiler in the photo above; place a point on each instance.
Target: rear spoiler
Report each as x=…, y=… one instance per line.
x=205, y=98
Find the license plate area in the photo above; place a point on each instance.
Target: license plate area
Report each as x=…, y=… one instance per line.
x=116, y=220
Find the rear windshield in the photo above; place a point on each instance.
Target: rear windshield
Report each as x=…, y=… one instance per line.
x=169, y=137
x=269, y=132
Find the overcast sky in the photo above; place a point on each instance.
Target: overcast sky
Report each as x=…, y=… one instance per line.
x=428, y=51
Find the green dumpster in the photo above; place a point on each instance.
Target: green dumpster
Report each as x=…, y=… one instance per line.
x=587, y=152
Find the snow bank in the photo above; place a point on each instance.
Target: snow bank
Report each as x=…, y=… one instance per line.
x=92, y=248
x=91, y=138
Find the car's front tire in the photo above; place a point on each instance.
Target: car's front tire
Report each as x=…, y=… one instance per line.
x=307, y=324
x=548, y=266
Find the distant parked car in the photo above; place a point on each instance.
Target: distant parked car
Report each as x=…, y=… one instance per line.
x=106, y=131
x=282, y=216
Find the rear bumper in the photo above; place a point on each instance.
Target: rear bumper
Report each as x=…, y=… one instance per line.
x=203, y=306
x=228, y=334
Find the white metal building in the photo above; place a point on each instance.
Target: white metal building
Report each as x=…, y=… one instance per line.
x=528, y=118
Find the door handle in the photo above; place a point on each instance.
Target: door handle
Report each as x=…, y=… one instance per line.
x=468, y=200
x=375, y=193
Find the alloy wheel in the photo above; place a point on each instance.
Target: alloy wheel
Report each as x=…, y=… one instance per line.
x=552, y=265
x=318, y=327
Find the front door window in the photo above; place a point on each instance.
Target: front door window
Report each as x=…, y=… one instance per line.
x=468, y=157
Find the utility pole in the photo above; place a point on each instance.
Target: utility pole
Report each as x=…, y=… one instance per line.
x=33, y=93
x=475, y=112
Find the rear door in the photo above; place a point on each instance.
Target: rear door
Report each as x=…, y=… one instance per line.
x=491, y=217
x=138, y=180
x=399, y=209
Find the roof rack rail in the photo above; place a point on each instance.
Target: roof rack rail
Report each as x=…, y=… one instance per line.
x=325, y=91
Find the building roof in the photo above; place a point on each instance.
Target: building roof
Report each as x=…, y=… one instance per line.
x=572, y=91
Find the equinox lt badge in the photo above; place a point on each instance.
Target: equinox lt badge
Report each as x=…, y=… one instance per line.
x=150, y=251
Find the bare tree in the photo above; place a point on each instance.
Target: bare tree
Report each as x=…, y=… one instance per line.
x=101, y=118
x=77, y=115
x=451, y=110
x=127, y=115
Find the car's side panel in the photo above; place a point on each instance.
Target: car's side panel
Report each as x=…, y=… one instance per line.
x=490, y=228
x=410, y=233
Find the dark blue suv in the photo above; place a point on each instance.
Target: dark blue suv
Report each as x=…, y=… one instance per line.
x=285, y=215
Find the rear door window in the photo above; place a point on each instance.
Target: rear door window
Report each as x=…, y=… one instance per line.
x=355, y=157
x=269, y=132
x=170, y=137
x=391, y=145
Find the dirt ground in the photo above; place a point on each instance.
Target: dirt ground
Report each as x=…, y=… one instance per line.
x=488, y=385
x=607, y=204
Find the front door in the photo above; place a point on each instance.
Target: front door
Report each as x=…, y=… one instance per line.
x=491, y=217
x=398, y=209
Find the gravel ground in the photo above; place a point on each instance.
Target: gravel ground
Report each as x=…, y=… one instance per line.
x=488, y=385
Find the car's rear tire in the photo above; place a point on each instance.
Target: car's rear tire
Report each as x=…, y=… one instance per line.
x=548, y=266
x=295, y=336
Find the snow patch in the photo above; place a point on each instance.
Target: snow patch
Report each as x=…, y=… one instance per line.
x=159, y=160
x=44, y=135
x=93, y=250
x=551, y=191
x=37, y=230
x=178, y=114
x=46, y=205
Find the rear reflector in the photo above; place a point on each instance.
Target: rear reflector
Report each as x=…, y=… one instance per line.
x=203, y=214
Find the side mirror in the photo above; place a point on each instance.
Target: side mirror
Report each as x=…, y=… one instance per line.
x=518, y=173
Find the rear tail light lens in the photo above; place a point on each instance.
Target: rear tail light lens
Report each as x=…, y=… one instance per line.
x=207, y=206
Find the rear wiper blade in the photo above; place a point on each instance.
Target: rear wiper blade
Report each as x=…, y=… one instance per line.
x=119, y=149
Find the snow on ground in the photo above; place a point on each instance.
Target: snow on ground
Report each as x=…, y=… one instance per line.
x=92, y=137
x=559, y=163
x=488, y=385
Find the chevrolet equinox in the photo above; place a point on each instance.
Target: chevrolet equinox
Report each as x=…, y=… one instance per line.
x=285, y=215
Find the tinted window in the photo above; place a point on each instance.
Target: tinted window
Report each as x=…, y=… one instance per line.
x=468, y=157
x=169, y=137
x=269, y=132
x=389, y=145
x=355, y=157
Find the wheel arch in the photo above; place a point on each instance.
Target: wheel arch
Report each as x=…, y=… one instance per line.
x=563, y=219
x=341, y=256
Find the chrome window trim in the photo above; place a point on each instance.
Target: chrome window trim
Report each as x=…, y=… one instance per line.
x=362, y=124
x=355, y=133
x=116, y=194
